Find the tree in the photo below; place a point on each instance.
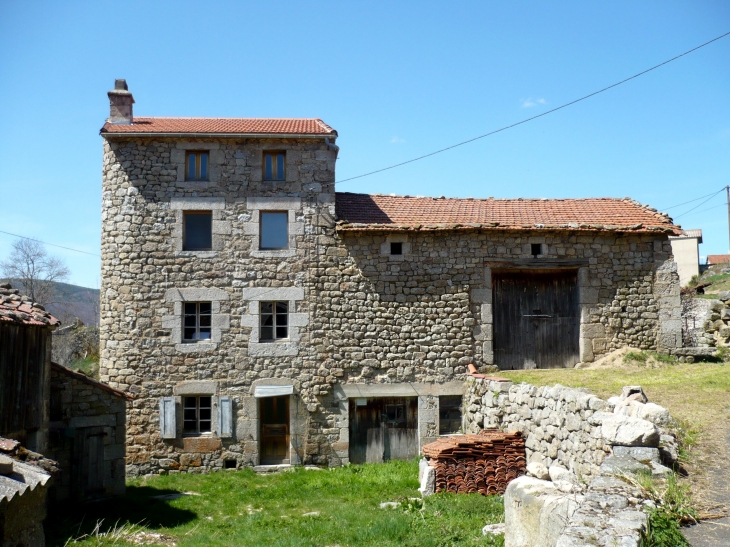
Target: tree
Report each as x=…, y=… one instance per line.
x=36, y=271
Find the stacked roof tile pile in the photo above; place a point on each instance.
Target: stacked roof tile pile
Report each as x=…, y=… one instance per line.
x=484, y=463
x=17, y=308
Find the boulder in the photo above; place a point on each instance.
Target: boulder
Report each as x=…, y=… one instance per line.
x=536, y=512
x=654, y=413
x=634, y=393
x=538, y=470
x=618, y=465
x=643, y=454
x=628, y=431
x=494, y=529
x=560, y=473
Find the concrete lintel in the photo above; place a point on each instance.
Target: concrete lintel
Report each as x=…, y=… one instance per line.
x=198, y=294
x=109, y=420
x=273, y=203
x=400, y=390
x=273, y=293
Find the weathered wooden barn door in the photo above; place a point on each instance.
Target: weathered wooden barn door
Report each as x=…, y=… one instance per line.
x=383, y=428
x=87, y=473
x=536, y=319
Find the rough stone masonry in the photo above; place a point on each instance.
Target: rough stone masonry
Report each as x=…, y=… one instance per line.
x=366, y=319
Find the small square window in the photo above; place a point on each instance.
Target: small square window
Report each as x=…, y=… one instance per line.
x=536, y=249
x=395, y=413
x=196, y=165
x=196, y=321
x=274, y=230
x=396, y=248
x=197, y=230
x=274, y=321
x=274, y=166
x=197, y=415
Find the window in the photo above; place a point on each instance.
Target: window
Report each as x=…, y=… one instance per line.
x=395, y=414
x=196, y=321
x=196, y=165
x=274, y=166
x=449, y=414
x=197, y=412
x=274, y=321
x=536, y=249
x=396, y=248
x=197, y=230
x=274, y=230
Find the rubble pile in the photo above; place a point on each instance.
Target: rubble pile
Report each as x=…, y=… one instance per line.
x=483, y=463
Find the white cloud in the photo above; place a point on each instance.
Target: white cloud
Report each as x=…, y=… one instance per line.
x=530, y=102
x=396, y=140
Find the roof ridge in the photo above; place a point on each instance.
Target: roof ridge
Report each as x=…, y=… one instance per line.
x=221, y=118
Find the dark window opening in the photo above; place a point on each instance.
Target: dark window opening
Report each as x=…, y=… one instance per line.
x=274, y=230
x=536, y=249
x=230, y=464
x=274, y=166
x=396, y=248
x=197, y=231
x=395, y=413
x=197, y=321
x=274, y=321
x=196, y=165
x=197, y=412
x=449, y=414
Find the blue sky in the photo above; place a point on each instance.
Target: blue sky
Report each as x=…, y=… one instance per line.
x=396, y=79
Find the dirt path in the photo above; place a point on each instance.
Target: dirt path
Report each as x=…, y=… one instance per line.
x=716, y=492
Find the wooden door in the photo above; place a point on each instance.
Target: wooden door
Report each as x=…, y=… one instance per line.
x=383, y=428
x=274, y=419
x=536, y=319
x=87, y=461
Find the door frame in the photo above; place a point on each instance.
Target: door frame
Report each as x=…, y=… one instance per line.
x=285, y=400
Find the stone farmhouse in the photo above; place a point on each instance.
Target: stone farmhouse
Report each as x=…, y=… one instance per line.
x=259, y=317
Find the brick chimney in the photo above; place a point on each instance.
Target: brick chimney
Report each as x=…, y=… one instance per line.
x=120, y=103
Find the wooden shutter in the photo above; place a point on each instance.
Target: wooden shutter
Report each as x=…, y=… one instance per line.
x=168, y=429
x=225, y=417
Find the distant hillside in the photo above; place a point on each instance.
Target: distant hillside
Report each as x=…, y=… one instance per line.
x=71, y=301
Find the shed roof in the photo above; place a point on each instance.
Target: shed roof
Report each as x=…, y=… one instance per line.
x=18, y=308
x=375, y=212
x=221, y=126
x=718, y=259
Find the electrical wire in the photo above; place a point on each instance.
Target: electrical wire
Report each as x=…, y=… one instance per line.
x=700, y=205
x=50, y=244
x=686, y=202
x=537, y=116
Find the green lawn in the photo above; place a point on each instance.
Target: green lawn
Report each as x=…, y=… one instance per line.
x=240, y=508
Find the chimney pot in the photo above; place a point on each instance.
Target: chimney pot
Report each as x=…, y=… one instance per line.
x=120, y=103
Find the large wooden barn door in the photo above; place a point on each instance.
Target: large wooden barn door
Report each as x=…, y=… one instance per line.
x=536, y=319
x=383, y=428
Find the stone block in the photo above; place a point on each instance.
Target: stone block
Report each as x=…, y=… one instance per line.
x=201, y=444
x=628, y=431
x=536, y=512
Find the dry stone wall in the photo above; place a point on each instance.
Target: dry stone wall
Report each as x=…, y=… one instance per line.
x=359, y=315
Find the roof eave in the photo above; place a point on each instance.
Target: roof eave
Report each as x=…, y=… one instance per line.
x=347, y=227
x=132, y=134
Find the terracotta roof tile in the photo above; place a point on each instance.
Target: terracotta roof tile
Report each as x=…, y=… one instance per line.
x=16, y=308
x=394, y=213
x=222, y=126
x=718, y=259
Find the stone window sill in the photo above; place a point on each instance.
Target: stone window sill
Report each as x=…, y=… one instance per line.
x=281, y=253
x=199, y=254
x=273, y=349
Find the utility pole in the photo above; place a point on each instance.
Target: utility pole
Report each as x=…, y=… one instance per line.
x=727, y=191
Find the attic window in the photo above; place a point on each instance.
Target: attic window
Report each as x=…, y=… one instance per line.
x=274, y=166
x=536, y=249
x=396, y=248
x=196, y=165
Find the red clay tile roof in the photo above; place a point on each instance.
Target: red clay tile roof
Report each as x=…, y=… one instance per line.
x=16, y=308
x=222, y=126
x=397, y=213
x=718, y=259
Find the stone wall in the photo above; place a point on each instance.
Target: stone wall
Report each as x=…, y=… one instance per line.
x=360, y=316
x=88, y=435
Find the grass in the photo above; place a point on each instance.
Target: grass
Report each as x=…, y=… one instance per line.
x=89, y=366
x=302, y=508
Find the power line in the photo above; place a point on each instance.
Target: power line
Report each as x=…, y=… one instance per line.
x=534, y=117
x=700, y=205
x=686, y=202
x=50, y=244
